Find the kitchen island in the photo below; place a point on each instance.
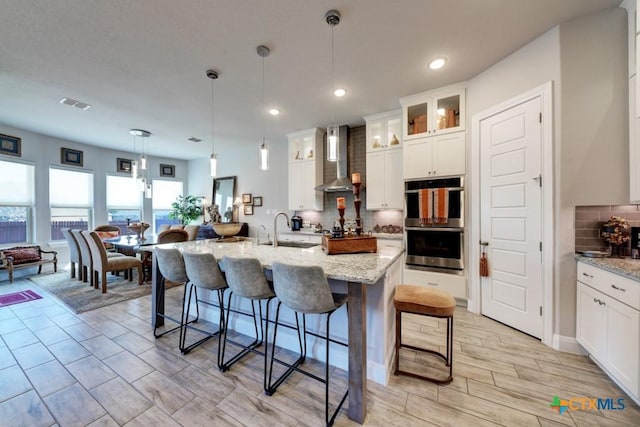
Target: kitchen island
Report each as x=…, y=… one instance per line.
x=368, y=279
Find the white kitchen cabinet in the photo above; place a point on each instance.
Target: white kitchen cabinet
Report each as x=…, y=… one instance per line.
x=434, y=156
x=608, y=324
x=434, y=112
x=384, y=185
x=384, y=131
x=385, y=188
x=455, y=284
x=305, y=169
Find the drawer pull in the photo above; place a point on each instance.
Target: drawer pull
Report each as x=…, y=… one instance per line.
x=432, y=284
x=618, y=289
x=599, y=301
x=588, y=275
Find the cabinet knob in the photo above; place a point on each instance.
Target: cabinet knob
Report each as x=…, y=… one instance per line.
x=618, y=289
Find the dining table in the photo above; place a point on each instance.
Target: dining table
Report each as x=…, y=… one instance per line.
x=130, y=245
x=363, y=274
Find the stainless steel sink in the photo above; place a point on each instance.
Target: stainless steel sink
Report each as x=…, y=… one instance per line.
x=293, y=244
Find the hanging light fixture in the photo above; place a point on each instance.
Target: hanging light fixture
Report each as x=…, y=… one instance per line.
x=213, y=161
x=333, y=18
x=263, y=51
x=143, y=181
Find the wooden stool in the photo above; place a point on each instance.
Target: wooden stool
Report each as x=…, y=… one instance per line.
x=425, y=302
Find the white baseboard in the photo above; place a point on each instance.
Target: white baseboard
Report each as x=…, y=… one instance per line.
x=567, y=344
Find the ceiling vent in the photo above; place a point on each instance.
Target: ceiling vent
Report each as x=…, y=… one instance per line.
x=194, y=139
x=73, y=103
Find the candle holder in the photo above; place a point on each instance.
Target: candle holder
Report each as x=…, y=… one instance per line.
x=341, y=212
x=357, y=202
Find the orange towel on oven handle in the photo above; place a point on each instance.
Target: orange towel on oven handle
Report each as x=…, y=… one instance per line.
x=425, y=206
x=441, y=205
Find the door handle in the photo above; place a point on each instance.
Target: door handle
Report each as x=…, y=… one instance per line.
x=484, y=243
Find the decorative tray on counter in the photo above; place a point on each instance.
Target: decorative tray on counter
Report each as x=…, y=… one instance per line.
x=594, y=254
x=349, y=245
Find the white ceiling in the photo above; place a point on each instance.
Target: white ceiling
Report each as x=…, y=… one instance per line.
x=142, y=63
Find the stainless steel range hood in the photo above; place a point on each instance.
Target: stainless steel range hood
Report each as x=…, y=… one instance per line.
x=342, y=182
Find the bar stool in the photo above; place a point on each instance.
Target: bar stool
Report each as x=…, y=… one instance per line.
x=425, y=302
x=246, y=279
x=171, y=266
x=203, y=272
x=305, y=290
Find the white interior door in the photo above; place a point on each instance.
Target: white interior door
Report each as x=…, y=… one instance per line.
x=511, y=201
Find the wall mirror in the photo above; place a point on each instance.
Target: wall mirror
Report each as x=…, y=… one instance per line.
x=224, y=192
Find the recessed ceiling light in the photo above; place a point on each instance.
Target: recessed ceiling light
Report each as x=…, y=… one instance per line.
x=339, y=92
x=274, y=111
x=437, y=63
x=73, y=103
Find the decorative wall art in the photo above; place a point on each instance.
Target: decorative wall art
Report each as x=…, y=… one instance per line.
x=71, y=157
x=124, y=165
x=257, y=201
x=246, y=198
x=10, y=145
x=248, y=209
x=168, y=170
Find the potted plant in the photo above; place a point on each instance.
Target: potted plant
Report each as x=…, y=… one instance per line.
x=185, y=209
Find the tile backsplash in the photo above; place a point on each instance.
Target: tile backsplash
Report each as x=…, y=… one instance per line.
x=589, y=220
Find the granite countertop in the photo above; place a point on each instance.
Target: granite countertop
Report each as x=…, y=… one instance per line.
x=387, y=236
x=626, y=267
x=362, y=268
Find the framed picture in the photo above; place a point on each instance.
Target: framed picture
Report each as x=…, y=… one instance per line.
x=257, y=201
x=70, y=157
x=246, y=199
x=248, y=209
x=124, y=165
x=168, y=170
x=10, y=145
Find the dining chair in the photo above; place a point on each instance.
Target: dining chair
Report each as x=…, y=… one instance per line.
x=192, y=231
x=107, y=231
x=162, y=227
x=204, y=273
x=305, y=290
x=75, y=257
x=172, y=236
x=102, y=264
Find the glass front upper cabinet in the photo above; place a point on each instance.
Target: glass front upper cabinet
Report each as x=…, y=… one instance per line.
x=384, y=130
x=433, y=113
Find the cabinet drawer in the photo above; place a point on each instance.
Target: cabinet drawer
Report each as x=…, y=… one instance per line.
x=454, y=284
x=620, y=288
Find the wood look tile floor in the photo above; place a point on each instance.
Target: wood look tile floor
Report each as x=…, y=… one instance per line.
x=104, y=368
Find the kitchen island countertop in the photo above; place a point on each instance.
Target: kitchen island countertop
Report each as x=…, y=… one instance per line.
x=364, y=268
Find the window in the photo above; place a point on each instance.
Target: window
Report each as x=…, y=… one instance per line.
x=71, y=198
x=124, y=201
x=17, y=194
x=164, y=193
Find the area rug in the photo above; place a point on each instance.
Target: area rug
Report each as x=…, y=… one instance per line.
x=18, y=297
x=81, y=297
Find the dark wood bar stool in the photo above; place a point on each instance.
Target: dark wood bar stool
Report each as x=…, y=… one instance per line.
x=425, y=302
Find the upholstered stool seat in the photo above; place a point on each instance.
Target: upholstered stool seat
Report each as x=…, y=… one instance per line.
x=425, y=302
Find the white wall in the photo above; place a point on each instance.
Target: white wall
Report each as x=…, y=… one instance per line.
x=240, y=159
x=43, y=151
x=586, y=61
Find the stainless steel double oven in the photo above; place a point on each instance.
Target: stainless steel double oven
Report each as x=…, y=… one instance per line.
x=435, y=242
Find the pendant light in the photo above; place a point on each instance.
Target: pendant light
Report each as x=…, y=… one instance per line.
x=213, y=160
x=263, y=51
x=333, y=18
x=143, y=181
